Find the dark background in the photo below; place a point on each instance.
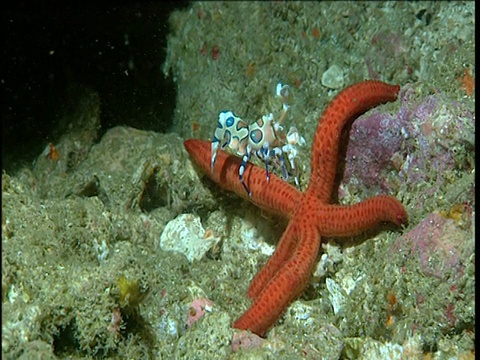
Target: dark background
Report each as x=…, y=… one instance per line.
x=115, y=48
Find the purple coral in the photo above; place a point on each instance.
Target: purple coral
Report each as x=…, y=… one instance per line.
x=418, y=143
x=374, y=140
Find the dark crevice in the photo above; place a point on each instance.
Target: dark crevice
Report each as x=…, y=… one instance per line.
x=154, y=195
x=115, y=48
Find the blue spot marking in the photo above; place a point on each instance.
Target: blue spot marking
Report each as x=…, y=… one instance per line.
x=230, y=121
x=256, y=136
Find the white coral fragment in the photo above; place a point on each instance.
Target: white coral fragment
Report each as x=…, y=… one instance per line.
x=186, y=235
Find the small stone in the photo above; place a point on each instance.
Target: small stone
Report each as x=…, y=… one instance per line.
x=186, y=235
x=337, y=297
x=333, y=77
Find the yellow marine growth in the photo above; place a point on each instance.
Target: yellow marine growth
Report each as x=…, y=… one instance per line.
x=129, y=292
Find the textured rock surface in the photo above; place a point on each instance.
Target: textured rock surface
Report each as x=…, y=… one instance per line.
x=73, y=227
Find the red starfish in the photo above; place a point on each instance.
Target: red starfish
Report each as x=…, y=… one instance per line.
x=311, y=214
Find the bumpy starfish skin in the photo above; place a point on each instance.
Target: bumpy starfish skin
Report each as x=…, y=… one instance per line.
x=310, y=214
x=350, y=103
x=330, y=220
x=280, y=201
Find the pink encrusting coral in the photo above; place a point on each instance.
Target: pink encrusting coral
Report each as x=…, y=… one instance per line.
x=419, y=143
x=198, y=308
x=439, y=244
x=246, y=340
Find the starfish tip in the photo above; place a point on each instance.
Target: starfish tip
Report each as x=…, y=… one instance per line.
x=189, y=144
x=402, y=219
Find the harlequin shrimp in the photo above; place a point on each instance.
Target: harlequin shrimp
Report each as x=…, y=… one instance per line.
x=260, y=138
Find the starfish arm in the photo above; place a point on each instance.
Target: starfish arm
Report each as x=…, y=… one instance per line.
x=276, y=196
x=287, y=284
x=348, y=220
x=348, y=104
x=284, y=250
